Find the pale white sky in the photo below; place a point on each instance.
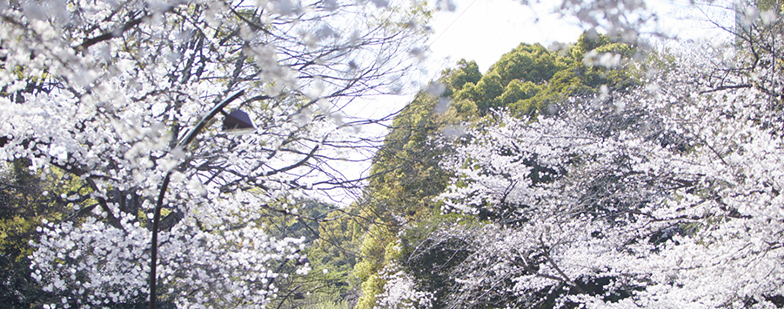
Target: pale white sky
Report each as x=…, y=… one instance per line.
x=483, y=30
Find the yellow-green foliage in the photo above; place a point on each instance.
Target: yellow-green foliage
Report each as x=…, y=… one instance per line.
x=371, y=287
x=465, y=73
x=408, y=176
x=331, y=237
x=327, y=303
x=377, y=250
x=29, y=197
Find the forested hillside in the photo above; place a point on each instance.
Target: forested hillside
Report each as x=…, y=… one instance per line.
x=402, y=198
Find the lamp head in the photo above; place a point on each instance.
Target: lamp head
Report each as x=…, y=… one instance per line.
x=238, y=122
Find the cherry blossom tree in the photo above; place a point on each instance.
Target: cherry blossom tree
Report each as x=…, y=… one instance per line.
x=127, y=96
x=666, y=196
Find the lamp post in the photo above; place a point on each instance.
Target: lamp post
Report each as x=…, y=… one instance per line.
x=236, y=120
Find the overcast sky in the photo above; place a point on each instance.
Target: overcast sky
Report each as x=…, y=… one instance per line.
x=483, y=30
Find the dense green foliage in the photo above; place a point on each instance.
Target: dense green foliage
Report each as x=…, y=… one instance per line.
x=531, y=77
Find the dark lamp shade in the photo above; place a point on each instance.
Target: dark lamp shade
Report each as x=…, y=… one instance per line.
x=238, y=122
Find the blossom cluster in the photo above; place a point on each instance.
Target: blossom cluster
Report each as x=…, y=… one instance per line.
x=666, y=196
